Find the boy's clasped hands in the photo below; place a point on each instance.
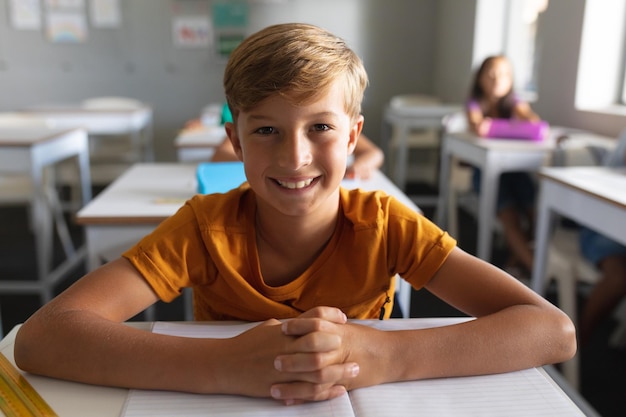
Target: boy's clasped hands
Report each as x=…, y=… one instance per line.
x=307, y=358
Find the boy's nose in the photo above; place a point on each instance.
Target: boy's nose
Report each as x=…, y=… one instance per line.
x=295, y=151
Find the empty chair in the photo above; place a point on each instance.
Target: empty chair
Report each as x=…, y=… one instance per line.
x=123, y=139
x=16, y=188
x=111, y=103
x=113, y=148
x=460, y=178
x=27, y=178
x=403, y=138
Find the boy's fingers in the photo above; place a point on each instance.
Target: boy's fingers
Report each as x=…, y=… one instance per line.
x=306, y=367
x=306, y=362
x=298, y=392
x=326, y=313
x=303, y=325
x=316, y=342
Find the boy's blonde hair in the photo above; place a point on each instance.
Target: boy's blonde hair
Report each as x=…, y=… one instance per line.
x=298, y=61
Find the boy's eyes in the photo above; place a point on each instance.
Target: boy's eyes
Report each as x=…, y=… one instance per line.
x=321, y=127
x=268, y=130
x=265, y=130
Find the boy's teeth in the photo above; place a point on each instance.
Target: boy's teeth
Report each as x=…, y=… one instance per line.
x=294, y=185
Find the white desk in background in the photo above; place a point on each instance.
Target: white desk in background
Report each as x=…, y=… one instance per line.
x=136, y=122
x=592, y=196
x=198, y=144
x=493, y=157
x=29, y=151
x=404, y=119
x=148, y=193
x=529, y=392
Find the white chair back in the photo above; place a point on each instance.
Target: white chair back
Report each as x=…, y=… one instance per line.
x=617, y=158
x=24, y=120
x=455, y=122
x=112, y=102
x=412, y=100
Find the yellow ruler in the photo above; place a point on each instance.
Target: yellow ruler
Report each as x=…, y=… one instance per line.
x=17, y=397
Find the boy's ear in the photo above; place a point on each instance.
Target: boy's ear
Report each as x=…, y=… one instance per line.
x=355, y=132
x=231, y=132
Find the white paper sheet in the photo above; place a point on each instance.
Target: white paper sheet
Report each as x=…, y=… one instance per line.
x=525, y=393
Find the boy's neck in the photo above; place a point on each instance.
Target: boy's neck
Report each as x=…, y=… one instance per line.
x=288, y=245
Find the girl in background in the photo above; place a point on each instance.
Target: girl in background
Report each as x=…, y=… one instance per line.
x=492, y=97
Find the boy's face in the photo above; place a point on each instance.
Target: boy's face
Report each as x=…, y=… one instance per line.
x=295, y=156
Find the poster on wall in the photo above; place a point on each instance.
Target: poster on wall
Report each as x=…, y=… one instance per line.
x=25, y=14
x=66, y=27
x=191, y=31
x=230, y=19
x=105, y=13
x=227, y=42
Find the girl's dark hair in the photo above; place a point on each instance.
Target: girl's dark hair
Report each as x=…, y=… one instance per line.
x=506, y=103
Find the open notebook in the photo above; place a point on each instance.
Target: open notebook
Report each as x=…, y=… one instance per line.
x=525, y=393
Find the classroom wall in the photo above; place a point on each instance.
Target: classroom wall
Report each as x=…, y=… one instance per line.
x=394, y=37
x=454, y=49
x=560, y=31
x=408, y=46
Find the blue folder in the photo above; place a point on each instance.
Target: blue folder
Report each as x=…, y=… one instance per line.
x=219, y=177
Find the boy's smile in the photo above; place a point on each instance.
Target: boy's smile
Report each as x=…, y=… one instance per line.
x=295, y=155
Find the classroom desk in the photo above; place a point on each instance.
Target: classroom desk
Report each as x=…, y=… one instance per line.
x=404, y=119
x=29, y=151
x=493, y=157
x=147, y=193
x=198, y=144
x=70, y=399
x=592, y=196
x=135, y=122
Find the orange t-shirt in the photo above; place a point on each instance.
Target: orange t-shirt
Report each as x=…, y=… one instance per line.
x=210, y=245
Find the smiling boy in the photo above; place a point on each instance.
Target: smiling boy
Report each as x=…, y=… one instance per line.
x=292, y=244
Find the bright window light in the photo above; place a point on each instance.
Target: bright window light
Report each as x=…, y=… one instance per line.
x=521, y=44
x=601, y=63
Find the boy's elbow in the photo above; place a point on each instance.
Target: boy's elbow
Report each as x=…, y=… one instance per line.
x=21, y=349
x=567, y=344
x=26, y=349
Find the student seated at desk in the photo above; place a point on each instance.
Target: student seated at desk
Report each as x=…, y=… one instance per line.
x=492, y=96
x=293, y=249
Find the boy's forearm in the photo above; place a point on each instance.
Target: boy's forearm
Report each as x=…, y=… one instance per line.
x=114, y=354
x=107, y=353
x=517, y=338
